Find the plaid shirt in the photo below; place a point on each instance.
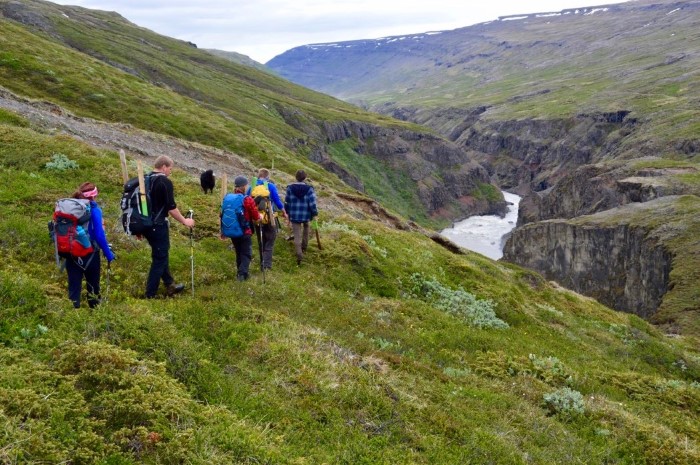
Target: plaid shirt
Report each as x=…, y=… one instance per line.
x=300, y=202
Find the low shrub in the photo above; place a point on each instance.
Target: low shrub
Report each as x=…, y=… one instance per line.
x=60, y=162
x=479, y=313
x=565, y=402
x=550, y=370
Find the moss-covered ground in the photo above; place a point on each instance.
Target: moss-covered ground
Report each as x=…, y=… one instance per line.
x=366, y=353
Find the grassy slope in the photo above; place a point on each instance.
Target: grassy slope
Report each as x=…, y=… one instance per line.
x=343, y=360
x=197, y=96
x=335, y=362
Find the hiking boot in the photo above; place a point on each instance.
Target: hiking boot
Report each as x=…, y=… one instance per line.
x=241, y=277
x=174, y=289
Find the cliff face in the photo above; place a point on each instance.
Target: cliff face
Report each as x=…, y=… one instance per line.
x=594, y=188
x=533, y=156
x=618, y=265
x=447, y=181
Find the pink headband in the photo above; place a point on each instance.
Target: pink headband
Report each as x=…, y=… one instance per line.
x=90, y=194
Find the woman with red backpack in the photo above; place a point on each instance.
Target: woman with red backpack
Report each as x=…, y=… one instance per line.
x=88, y=267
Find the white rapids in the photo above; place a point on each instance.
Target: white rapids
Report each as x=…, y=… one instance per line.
x=485, y=234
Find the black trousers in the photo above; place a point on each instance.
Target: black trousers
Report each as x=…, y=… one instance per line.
x=269, y=235
x=159, y=239
x=244, y=254
x=88, y=268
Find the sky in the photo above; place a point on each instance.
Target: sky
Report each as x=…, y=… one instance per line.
x=263, y=29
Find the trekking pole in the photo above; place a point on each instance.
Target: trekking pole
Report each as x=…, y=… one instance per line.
x=109, y=274
x=52, y=233
x=258, y=233
x=190, y=214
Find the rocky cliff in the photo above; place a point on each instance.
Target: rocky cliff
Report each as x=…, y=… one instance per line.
x=448, y=183
x=641, y=258
x=618, y=265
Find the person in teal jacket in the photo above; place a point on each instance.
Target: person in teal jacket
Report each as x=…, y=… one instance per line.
x=89, y=267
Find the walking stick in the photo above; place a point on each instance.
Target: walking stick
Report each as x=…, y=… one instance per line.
x=258, y=233
x=190, y=214
x=109, y=274
x=314, y=225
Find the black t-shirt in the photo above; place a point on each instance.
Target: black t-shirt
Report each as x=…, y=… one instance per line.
x=162, y=197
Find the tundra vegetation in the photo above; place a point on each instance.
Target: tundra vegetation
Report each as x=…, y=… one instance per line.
x=384, y=347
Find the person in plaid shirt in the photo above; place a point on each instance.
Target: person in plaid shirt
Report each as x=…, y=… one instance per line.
x=300, y=205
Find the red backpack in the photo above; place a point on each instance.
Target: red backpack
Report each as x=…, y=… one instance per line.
x=71, y=222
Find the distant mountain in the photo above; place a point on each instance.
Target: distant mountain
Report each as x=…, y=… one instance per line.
x=580, y=111
x=237, y=58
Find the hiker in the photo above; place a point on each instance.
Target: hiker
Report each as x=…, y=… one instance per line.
x=88, y=266
x=238, y=212
x=264, y=192
x=158, y=237
x=300, y=204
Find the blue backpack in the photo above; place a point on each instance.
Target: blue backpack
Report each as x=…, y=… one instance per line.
x=233, y=222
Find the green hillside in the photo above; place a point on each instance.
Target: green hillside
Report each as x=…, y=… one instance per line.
x=132, y=75
x=96, y=64
x=384, y=347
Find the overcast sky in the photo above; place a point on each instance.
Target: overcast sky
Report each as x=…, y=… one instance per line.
x=263, y=29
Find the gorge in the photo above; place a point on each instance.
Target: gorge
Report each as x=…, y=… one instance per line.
x=580, y=112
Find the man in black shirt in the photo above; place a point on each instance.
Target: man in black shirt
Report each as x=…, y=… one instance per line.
x=162, y=205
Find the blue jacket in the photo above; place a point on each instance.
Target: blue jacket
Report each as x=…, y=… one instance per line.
x=274, y=195
x=97, y=232
x=300, y=202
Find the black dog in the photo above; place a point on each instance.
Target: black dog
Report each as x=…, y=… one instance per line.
x=207, y=181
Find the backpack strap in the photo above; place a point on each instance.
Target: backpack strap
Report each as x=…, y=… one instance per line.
x=149, y=188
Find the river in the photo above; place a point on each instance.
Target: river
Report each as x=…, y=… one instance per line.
x=485, y=234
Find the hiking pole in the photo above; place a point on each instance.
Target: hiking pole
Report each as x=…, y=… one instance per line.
x=52, y=233
x=109, y=273
x=190, y=214
x=258, y=233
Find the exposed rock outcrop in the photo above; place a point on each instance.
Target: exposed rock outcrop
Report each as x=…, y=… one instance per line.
x=447, y=181
x=594, y=188
x=545, y=149
x=620, y=266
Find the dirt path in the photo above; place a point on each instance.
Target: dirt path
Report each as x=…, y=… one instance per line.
x=190, y=156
